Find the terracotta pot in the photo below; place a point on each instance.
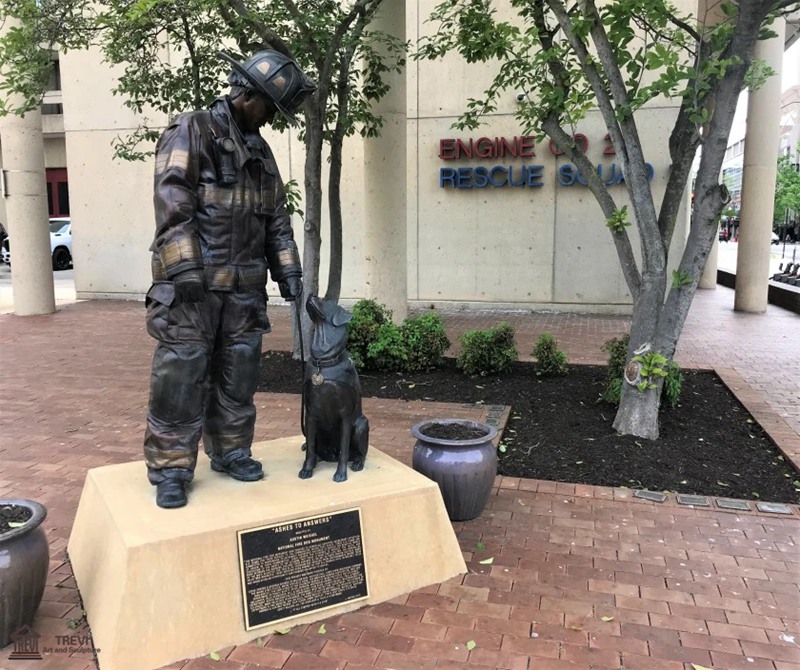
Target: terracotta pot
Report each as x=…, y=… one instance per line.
x=24, y=562
x=464, y=469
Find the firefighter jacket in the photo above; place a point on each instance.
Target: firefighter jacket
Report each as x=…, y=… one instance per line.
x=220, y=205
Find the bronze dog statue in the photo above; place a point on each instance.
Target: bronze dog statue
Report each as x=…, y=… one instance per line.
x=336, y=429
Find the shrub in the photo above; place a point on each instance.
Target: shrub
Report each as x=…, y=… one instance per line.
x=617, y=348
x=375, y=342
x=387, y=351
x=550, y=360
x=484, y=352
x=362, y=330
x=425, y=342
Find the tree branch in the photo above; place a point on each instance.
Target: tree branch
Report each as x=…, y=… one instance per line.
x=621, y=240
x=360, y=8
x=685, y=27
x=589, y=69
x=268, y=35
x=636, y=177
x=302, y=26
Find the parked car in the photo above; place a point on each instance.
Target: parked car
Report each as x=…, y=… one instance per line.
x=60, y=244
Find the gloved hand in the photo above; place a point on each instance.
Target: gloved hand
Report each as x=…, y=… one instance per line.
x=189, y=287
x=291, y=287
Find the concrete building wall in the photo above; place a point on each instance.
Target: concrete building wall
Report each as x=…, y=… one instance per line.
x=528, y=247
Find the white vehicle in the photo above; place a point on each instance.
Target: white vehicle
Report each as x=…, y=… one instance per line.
x=60, y=244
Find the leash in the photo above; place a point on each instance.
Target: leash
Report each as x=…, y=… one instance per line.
x=298, y=324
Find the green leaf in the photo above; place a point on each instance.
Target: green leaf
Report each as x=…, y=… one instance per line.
x=471, y=645
x=281, y=631
x=260, y=641
x=606, y=618
x=697, y=666
x=480, y=546
x=618, y=221
x=214, y=656
x=322, y=630
x=680, y=278
x=16, y=524
x=487, y=561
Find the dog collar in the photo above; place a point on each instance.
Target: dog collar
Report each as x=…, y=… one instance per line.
x=330, y=361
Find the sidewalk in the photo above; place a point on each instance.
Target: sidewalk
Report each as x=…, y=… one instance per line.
x=583, y=577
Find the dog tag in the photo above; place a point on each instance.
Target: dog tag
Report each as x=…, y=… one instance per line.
x=317, y=379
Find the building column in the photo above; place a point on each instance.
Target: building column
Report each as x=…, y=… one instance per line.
x=709, y=277
x=385, y=183
x=758, y=179
x=26, y=208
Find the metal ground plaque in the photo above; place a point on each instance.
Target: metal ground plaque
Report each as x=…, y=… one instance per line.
x=301, y=566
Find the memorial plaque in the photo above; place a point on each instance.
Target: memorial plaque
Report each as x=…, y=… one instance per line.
x=301, y=566
x=654, y=496
x=695, y=501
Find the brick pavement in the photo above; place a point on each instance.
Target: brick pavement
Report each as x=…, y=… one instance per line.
x=582, y=577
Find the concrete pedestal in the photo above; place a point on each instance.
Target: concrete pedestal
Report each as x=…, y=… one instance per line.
x=162, y=585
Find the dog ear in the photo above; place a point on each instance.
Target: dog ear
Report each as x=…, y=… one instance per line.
x=341, y=317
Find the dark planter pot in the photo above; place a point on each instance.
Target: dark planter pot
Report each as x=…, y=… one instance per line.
x=464, y=469
x=24, y=562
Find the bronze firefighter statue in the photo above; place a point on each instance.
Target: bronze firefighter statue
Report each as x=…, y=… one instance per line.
x=221, y=222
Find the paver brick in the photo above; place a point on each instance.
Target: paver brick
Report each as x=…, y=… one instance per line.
x=388, y=642
x=342, y=651
x=739, y=632
x=773, y=651
x=262, y=656
x=732, y=662
x=591, y=656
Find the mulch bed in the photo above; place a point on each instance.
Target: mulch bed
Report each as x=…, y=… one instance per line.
x=561, y=430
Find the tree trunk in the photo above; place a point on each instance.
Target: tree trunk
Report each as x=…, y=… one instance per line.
x=638, y=412
x=334, y=289
x=312, y=239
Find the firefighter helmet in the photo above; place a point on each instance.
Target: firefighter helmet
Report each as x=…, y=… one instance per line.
x=275, y=76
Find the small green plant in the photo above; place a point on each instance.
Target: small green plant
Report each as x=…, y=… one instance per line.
x=653, y=368
x=617, y=348
x=618, y=221
x=362, y=330
x=550, y=360
x=680, y=278
x=425, y=342
x=673, y=385
x=489, y=351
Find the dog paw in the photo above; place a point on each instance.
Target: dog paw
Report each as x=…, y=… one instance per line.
x=357, y=466
x=340, y=476
x=305, y=474
x=303, y=447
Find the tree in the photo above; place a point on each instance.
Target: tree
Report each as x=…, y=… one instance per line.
x=329, y=38
x=787, y=190
x=615, y=56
